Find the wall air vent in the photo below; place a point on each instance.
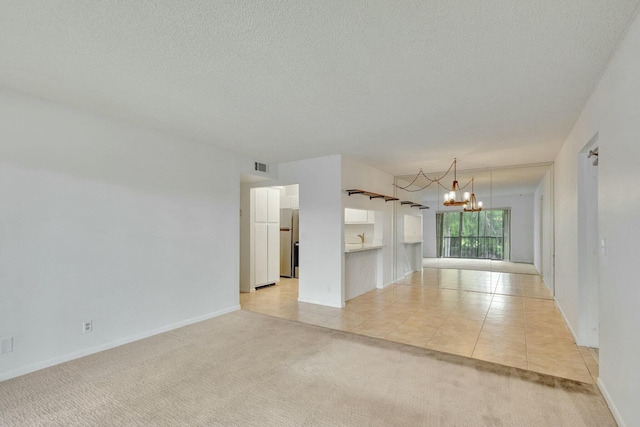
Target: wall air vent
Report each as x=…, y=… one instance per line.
x=260, y=167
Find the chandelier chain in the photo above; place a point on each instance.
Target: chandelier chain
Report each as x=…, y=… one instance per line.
x=431, y=181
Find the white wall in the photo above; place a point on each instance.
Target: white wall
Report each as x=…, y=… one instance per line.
x=612, y=111
x=544, y=265
x=429, y=244
x=409, y=229
x=102, y=220
x=245, y=237
x=365, y=177
x=321, y=226
x=522, y=231
x=521, y=224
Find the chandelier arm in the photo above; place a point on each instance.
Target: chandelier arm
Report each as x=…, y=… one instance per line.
x=440, y=184
x=467, y=184
x=414, y=179
x=436, y=179
x=417, y=189
x=428, y=179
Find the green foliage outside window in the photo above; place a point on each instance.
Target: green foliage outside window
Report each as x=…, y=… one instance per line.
x=483, y=234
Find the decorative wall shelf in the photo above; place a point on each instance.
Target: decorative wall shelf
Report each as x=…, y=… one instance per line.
x=372, y=195
x=386, y=198
x=413, y=204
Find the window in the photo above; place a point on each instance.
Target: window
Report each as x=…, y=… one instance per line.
x=483, y=234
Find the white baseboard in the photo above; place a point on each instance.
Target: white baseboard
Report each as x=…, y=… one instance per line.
x=102, y=347
x=329, y=304
x=409, y=273
x=388, y=284
x=612, y=406
x=573, y=334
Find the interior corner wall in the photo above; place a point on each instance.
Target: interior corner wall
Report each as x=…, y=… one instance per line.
x=521, y=224
x=612, y=111
x=543, y=257
x=368, y=178
x=321, y=258
x=429, y=244
x=106, y=221
x=245, y=237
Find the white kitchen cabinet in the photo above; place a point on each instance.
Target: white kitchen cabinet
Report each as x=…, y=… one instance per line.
x=261, y=263
x=358, y=216
x=265, y=238
x=285, y=201
x=289, y=197
x=260, y=205
x=273, y=250
x=273, y=205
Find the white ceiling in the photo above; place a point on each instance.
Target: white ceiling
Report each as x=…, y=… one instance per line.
x=396, y=84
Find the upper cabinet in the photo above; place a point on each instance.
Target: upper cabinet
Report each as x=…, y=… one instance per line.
x=273, y=205
x=261, y=203
x=358, y=216
x=294, y=200
x=267, y=205
x=289, y=196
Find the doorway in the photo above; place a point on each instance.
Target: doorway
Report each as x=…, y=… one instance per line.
x=588, y=246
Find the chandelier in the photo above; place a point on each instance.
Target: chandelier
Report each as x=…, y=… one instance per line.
x=450, y=198
x=453, y=197
x=472, y=205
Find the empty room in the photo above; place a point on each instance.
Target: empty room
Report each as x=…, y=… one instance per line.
x=288, y=213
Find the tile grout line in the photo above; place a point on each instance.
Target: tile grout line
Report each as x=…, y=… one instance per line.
x=526, y=346
x=493, y=295
x=398, y=296
x=595, y=380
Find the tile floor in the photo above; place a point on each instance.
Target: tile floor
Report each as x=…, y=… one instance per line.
x=504, y=318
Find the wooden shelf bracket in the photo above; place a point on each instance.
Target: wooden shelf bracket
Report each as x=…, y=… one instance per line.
x=371, y=195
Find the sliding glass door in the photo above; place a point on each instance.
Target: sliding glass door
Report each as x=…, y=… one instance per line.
x=482, y=235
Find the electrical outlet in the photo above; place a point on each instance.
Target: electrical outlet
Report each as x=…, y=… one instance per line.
x=6, y=345
x=87, y=326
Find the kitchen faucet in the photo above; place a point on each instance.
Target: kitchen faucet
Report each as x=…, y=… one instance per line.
x=361, y=236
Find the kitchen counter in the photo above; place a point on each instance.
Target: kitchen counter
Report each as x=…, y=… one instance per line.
x=362, y=268
x=359, y=247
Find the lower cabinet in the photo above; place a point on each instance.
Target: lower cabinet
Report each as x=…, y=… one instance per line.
x=267, y=253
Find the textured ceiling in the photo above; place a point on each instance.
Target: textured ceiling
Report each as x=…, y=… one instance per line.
x=400, y=85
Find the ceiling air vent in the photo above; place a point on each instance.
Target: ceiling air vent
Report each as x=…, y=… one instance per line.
x=260, y=167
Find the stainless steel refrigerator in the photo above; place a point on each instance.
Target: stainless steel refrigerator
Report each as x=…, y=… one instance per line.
x=288, y=242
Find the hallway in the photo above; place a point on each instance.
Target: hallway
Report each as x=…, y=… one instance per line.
x=504, y=318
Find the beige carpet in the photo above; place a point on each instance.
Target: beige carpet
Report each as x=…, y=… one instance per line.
x=248, y=369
